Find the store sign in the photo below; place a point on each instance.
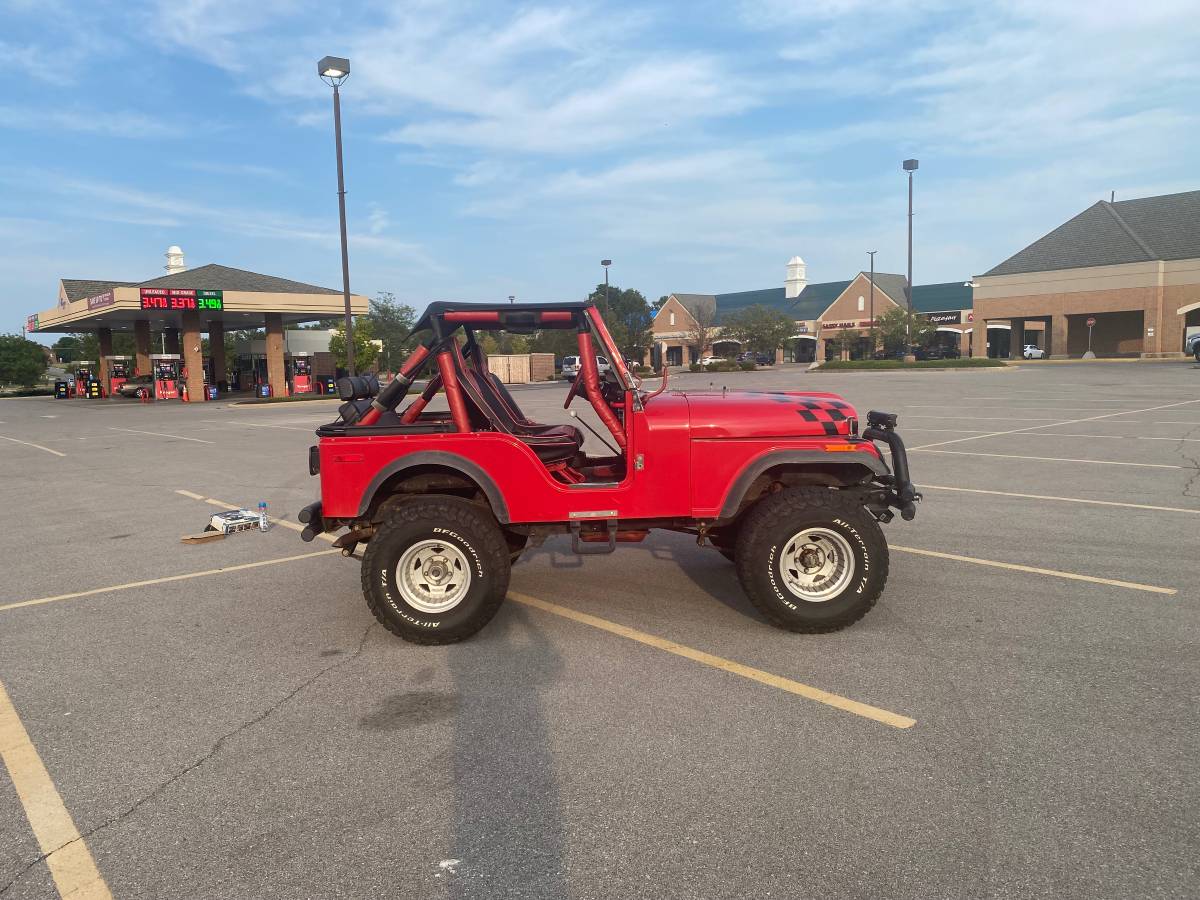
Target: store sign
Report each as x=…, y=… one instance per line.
x=31, y=324
x=101, y=300
x=181, y=299
x=946, y=318
x=865, y=323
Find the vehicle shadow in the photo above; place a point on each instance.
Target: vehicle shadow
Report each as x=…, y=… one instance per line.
x=704, y=567
x=509, y=836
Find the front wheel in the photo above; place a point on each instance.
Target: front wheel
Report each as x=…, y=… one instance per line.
x=436, y=570
x=811, y=561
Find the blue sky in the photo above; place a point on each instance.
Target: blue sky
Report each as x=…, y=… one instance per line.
x=496, y=149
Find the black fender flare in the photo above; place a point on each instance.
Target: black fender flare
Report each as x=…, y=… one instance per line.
x=760, y=464
x=447, y=461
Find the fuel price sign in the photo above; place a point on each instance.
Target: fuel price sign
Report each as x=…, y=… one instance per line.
x=181, y=299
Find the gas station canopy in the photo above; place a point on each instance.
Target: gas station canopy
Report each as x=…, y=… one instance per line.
x=234, y=298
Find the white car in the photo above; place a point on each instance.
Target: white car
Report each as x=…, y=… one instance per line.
x=570, y=367
x=709, y=360
x=1033, y=351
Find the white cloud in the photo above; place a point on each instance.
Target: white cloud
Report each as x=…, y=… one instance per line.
x=119, y=124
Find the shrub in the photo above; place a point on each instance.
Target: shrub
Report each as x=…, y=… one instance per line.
x=747, y=365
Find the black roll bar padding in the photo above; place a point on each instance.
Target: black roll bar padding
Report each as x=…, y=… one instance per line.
x=358, y=387
x=389, y=398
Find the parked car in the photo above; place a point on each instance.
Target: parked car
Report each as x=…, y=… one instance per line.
x=1191, y=346
x=937, y=351
x=570, y=366
x=709, y=360
x=1033, y=351
x=137, y=386
x=759, y=359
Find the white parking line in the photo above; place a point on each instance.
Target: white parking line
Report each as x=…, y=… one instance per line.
x=1095, y=462
x=1013, y=409
x=1176, y=509
x=1034, y=570
x=177, y=437
x=260, y=425
x=28, y=444
x=1066, y=422
x=958, y=418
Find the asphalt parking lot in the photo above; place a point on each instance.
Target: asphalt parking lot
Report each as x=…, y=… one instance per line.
x=227, y=720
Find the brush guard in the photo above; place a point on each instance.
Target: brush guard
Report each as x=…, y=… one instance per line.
x=899, y=491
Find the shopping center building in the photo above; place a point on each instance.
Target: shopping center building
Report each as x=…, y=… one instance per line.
x=1131, y=267
x=820, y=311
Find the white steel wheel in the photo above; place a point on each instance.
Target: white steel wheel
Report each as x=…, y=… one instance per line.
x=433, y=576
x=817, y=564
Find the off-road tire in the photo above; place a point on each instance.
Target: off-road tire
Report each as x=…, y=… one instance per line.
x=762, y=538
x=466, y=526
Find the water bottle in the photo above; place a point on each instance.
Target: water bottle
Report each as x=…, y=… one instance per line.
x=263, y=523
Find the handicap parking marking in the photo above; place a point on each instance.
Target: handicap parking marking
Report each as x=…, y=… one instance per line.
x=1035, y=570
x=64, y=850
x=29, y=444
x=1085, y=500
x=177, y=437
x=798, y=688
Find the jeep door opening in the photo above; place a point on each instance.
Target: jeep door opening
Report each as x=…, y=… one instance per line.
x=781, y=483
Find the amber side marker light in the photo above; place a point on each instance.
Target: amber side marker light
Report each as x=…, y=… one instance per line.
x=841, y=448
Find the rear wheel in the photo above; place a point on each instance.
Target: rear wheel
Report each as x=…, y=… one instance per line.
x=811, y=561
x=436, y=570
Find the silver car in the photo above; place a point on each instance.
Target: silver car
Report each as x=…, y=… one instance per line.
x=570, y=367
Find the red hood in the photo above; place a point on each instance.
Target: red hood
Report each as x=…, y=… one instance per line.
x=753, y=414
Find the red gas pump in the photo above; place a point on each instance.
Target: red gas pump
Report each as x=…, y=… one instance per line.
x=118, y=373
x=166, y=375
x=83, y=376
x=302, y=382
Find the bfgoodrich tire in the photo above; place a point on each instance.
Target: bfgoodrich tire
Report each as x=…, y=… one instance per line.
x=436, y=570
x=811, y=561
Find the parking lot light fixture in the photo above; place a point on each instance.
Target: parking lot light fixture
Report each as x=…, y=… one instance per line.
x=333, y=71
x=606, y=263
x=910, y=166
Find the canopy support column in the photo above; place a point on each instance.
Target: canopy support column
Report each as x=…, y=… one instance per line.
x=193, y=359
x=104, y=336
x=141, y=340
x=276, y=372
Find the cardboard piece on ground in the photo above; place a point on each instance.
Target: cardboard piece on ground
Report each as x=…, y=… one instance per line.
x=203, y=537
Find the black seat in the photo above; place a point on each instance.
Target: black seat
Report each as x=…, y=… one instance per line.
x=551, y=443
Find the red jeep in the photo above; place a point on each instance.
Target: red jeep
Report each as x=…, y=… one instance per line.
x=780, y=483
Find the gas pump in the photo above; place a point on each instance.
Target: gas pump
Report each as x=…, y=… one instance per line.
x=118, y=373
x=302, y=381
x=83, y=377
x=166, y=368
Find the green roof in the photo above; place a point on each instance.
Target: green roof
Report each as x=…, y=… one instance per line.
x=811, y=303
x=945, y=297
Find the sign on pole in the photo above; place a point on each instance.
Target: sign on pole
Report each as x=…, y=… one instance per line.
x=1091, y=320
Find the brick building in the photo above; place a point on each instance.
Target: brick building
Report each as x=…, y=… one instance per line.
x=1132, y=265
x=819, y=310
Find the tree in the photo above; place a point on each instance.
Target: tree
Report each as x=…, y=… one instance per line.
x=843, y=342
x=758, y=328
x=702, y=329
x=393, y=322
x=365, y=351
x=896, y=325
x=661, y=301
x=628, y=317
x=21, y=362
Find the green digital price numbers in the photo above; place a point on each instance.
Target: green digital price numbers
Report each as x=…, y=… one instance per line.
x=210, y=300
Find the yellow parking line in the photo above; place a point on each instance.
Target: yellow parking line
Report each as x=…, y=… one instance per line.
x=726, y=665
x=67, y=855
x=1179, y=509
x=150, y=581
x=190, y=494
x=1034, y=570
x=28, y=444
x=1096, y=462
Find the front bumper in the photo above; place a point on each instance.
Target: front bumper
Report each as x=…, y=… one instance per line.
x=899, y=491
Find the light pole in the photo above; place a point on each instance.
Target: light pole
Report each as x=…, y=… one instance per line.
x=910, y=166
x=606, y=263
x=333, y=71
x=871, y=327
